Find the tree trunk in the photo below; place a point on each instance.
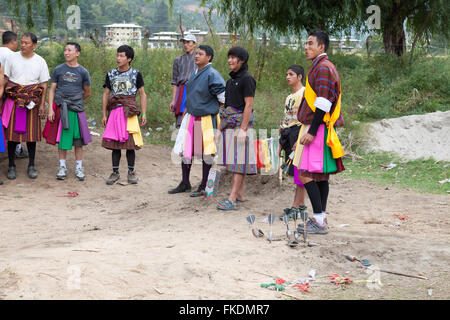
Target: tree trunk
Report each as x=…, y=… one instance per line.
x=394, y=34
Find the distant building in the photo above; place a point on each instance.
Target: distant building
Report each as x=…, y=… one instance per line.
x=171, y=40
x=122, y=33
x=163, y=42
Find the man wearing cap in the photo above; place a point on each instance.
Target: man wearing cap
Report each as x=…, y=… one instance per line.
x=183, y=66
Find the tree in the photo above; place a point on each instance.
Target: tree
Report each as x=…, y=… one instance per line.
x=422, y=18
x=294, y=16
x=30, y=6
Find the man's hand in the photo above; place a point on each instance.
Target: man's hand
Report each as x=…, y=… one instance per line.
x=143, y=120
x=172, y=106
x=217, y=136
x=42, y=111
x=51, y=115
x=307, y=139
x=242, y=134
x=104, y=120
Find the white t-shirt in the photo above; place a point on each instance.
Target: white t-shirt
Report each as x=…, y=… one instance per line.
x=26, y=71
x=4, y=53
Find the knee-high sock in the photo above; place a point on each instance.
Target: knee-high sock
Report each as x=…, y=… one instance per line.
x=131, y=158
x=205, y=172
x=31, y=146
x=324, y=190
x=186, y=171
x=11, y=152
x=116, y=155
x=314, y=196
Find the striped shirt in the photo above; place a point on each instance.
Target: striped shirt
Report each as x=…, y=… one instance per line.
x=183, y=67
x=324, y=80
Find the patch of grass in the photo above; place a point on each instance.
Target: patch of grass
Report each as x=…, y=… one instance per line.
x=419, y=175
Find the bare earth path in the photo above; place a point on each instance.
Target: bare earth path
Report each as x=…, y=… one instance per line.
x=137, y=242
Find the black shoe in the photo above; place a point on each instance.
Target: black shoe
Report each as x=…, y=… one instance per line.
x=1, y=182
x=32, y=173
x=11, y=173
x=199, y=192
x=182, y=187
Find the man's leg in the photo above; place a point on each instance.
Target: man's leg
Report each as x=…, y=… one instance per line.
x=11, y=157
x=62, y=171
x=318, y=224
x=237, y=182
x=185, y=185
x=115, y=156
x=299, y=198
x=32, y=173
x=131, y=159
x=79, y=170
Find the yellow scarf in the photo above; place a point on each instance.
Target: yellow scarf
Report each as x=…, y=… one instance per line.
x=209, y=145
x=332, y=139
x=134, y=129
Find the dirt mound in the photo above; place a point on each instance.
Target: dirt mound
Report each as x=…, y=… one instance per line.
x=413, y=137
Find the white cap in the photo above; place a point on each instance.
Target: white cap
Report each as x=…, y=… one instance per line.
x=189, y=37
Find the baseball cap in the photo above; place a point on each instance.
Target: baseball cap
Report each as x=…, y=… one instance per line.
x=189, y=37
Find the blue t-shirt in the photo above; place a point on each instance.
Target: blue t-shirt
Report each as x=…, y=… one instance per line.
x=70, y=80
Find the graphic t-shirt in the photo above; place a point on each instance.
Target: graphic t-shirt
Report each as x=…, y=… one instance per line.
x=70, y=80
x=125, y=83
x=291, y=109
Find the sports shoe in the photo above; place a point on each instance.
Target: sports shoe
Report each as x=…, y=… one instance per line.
x=182, y=187
x=79, y=173
x=11, y=173
x=313, y=227
x=32, y=173
x=113, y=178
x=132, y=179
x=62, y=173
x=22, y=153
x=199, y=192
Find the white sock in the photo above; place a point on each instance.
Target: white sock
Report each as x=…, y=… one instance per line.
x=79, y=164
x=320, y=217
x=62, y=163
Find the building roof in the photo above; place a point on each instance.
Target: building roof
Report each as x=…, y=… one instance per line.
x=122, y=25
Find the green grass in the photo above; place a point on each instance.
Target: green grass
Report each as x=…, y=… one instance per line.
x=419, y=175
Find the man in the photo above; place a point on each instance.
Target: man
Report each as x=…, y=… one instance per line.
x=237, y=118
x=26, y=74
x=2, y=138
x=9, y=46
x=289, y=130
x=319, y=151
x=205, y=92
x=70, y=85
x=183, y=66
x=120, y=113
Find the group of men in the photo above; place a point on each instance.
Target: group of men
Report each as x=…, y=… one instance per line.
x=213, y=117
x=23, y=88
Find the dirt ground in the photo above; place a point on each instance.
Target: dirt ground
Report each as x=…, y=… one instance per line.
x=138, y=242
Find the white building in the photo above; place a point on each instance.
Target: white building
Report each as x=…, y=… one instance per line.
x=122, y=33
x=163, y=42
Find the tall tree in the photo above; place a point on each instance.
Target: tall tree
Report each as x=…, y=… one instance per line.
x=294, y=16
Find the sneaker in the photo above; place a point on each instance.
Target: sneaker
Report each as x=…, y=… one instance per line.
x=22, y=153
x=32, y=173
x=62, y=173
x=79, y=173
x=11, y=173
x=182, y=187
x=313, y=227
x=132, y=179
x=199, y=192
x=113, y=178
